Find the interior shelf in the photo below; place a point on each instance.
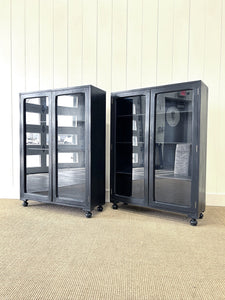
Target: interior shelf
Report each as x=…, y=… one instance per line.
x=130, y=115
x=180, y=111
x=173, y=143
x=170, y=175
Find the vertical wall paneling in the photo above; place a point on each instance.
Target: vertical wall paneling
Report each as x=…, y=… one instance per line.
x=60, y=43
x=180, y=40
x=89, y=41
x=32, y=45
x=75, y=40
x=196, y=40
x=46, y=44
x=18, y=81
x=116, y=45
x=165, y=42
x=134, y=43
x=5, y=114
x=103, y=76
x=119, y=45
x=221, y=107
x=211, y=77
x=149, y=42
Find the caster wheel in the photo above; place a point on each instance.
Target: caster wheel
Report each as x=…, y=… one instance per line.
x=99, y=208
x=25, y=203
x=115, y=206
x=125, y=203
x=193, y=222
x=88, y=214
x=201, y=216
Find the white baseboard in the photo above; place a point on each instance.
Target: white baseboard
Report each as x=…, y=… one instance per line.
x=215, y=199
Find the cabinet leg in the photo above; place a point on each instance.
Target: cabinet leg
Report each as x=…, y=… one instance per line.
x=115, y=206
x=88, y=214
x=100, y=208
x=193, y=222
x=201, y=216
x=25, y=203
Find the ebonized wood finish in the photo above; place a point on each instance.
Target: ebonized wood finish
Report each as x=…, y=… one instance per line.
x=62, y=149
x=167, y=168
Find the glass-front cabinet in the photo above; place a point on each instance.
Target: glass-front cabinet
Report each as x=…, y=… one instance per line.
x=158, y=148
x=63, y=147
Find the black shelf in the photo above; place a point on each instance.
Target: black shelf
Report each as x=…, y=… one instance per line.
x=130, y=115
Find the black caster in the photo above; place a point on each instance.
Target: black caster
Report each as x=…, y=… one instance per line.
x=125, y=203
x=99, y=208
x=193, y=222
x=88, y=214
x=115, y=206
x=201, y=216
x=25, y=203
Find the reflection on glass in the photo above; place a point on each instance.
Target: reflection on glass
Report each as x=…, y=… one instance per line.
x=36, y=101
x=33, y=161
x=71, y=146
x=68, y=139
x=173, y=147
x=68, y=158
x=33, y=138
x=67, y=121
x=37, y=159
x=130, y=139
x=33, y=118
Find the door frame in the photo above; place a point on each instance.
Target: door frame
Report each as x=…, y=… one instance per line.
x=195, y=86
x=64, y=200
x=24, y=195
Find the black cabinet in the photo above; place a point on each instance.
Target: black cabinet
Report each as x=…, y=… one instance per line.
x=158, y=148
x=63, y=147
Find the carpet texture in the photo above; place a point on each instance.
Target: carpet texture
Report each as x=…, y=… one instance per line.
x=52, y=252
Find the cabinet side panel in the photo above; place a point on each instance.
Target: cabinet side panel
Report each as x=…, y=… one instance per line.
x=203, y=147
x=98, y=103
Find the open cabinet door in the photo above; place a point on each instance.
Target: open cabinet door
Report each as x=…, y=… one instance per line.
x=129, y=138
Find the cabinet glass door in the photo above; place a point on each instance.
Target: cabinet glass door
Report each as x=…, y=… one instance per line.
x=173, y=147
x=36, y=145
x=70, y=147
x=130, y=122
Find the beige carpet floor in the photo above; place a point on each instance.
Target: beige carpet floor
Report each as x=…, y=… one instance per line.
x=53, y=252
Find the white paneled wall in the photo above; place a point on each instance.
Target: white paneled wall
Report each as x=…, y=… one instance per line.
x=116, y=45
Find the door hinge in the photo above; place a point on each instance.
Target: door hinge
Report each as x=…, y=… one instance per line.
x=196, y=148
x=198, y=91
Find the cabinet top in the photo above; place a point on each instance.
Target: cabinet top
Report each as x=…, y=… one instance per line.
x=83, y=87
x=175, y=86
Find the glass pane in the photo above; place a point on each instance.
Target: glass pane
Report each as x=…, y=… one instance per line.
x=173, y=147
x=130, y=140
x=37, y=159
x=71, y=146
x=33, y=118
x=33, y=138
x=68, y=139
x=67, y=121
x=36, y=101
x=33, y=161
